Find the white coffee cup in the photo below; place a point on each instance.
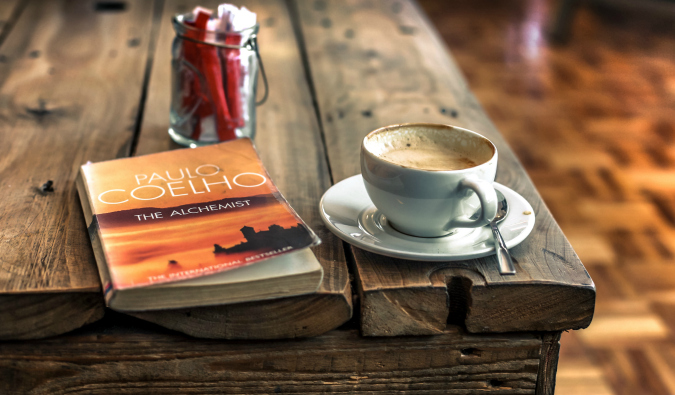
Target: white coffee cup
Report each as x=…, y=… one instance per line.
x=428, y=179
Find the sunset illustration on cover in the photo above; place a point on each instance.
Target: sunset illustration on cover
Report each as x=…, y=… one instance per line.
x=190, y=212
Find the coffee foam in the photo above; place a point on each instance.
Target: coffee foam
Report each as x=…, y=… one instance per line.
x=430, y=148
x=433, y=158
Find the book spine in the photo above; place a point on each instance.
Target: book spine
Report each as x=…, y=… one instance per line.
x=95, y=236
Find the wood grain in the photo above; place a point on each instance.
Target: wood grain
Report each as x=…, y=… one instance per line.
x=381, y=63
x=289, y=142
x=35, y=316
x=9, y=10
x=126, y=358
x=68, y=94
x=548, y=365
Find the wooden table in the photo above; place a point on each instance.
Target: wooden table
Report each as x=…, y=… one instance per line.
x=89, y=81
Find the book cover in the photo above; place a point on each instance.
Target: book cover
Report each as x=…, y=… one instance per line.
x=186, y=213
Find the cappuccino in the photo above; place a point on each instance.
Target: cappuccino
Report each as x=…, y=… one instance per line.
x=426, y=148
x=429, y=158
x=419, y=177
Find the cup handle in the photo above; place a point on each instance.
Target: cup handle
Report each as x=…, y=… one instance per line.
x=488, y=203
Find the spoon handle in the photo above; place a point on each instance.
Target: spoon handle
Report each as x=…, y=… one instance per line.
x=503, y=256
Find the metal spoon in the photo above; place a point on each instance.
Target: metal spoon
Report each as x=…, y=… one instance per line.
x=503, y=256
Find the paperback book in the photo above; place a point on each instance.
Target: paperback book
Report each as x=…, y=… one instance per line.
x=194, y=227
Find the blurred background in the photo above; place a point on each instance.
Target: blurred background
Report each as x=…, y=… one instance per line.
x=592, y=119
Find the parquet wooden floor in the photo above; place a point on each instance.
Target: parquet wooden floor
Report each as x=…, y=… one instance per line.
x=594, y=124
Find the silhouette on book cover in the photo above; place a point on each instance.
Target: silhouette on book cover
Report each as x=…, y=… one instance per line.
x=275, y=238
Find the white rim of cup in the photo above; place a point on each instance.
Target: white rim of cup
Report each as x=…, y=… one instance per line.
x=433, y=125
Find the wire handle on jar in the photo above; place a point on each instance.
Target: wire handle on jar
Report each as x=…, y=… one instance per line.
x=253, y=42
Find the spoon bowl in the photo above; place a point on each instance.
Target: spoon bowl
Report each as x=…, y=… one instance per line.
x=502, y=207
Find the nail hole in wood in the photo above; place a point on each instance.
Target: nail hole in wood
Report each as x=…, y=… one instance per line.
x=47, y=187
x=110, y=6
x=496, y=383
x=449, y=111
x=469, y=352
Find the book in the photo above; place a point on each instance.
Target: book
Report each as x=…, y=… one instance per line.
x=194, y=227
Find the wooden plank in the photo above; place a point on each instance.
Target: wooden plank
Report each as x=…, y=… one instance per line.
x=69, y=94
x=378, y=63
x=117, y=355
x=548, y=364
x=9, y=9
x=289, y=143
x=34, y=316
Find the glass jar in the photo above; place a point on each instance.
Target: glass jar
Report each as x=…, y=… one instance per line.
x=213, y=84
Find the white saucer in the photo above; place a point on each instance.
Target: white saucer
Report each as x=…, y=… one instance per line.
x=348, y=212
